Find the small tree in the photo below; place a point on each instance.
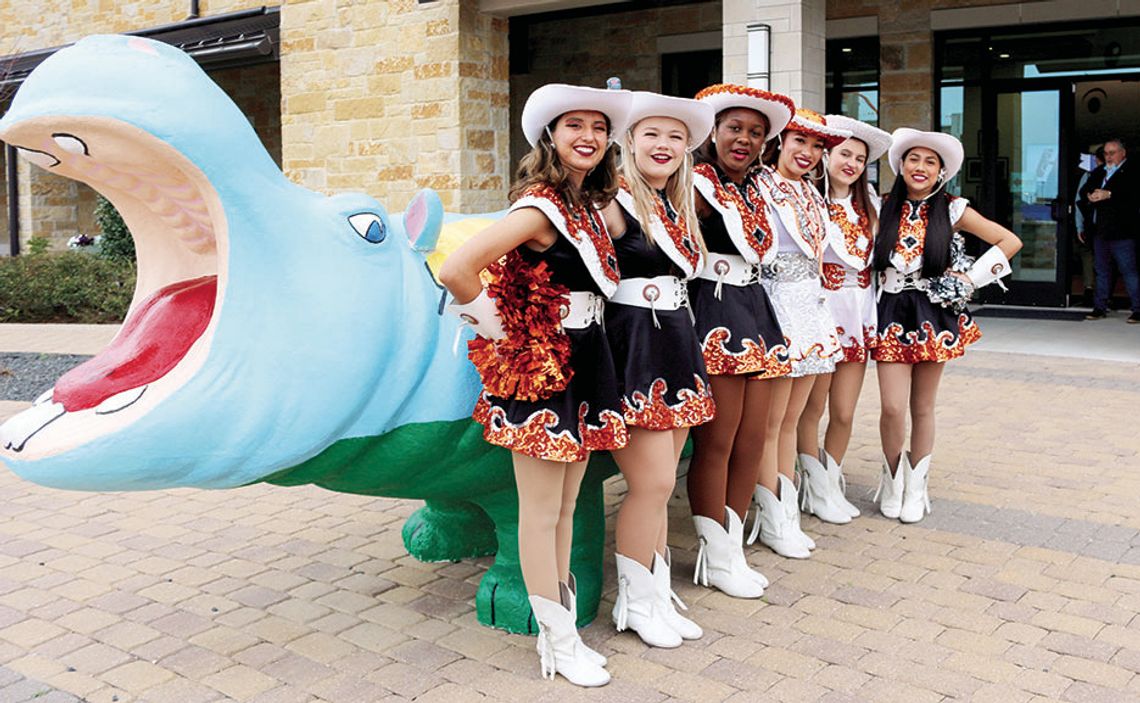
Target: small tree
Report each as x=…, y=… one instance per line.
x=116, y=242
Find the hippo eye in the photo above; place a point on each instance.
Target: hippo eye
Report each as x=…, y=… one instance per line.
x=39, y=158
x=369, y=226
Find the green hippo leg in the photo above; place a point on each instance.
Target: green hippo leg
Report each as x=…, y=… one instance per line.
x=501, y=600
x=445, y=530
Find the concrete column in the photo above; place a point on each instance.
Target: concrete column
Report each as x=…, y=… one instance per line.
x=906, y=65
x=391, y=97
x=799, y=33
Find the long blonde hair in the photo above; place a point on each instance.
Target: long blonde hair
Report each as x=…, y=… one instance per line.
x=679, y=190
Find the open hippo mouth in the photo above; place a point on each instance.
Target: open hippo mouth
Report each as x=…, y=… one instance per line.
x=179, y=227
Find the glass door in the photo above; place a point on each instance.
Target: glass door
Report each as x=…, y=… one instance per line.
x=1028, y=183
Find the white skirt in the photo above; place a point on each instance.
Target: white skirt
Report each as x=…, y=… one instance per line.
x=794, y=287
x=856, y=321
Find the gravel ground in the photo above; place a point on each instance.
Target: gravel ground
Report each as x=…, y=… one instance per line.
x=26, y=376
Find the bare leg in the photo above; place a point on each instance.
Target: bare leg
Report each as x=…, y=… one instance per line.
x=650, y=472
x=781, y=391
x=923, y=392
x=801, y=390
x=708, y=469
x=565, y=530
x=540, y=486
x=807, y=431
x=748, y=449
x=846, y=385
x=894, y=392
x=679, y=437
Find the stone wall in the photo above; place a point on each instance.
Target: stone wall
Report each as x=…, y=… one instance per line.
x=588, y=50
x=391, y=97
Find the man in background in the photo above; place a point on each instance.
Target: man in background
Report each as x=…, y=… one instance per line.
x=1113, y=197
x=1084, y=243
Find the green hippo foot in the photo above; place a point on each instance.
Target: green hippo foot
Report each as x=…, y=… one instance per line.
x=501, y=600
x=449, y=531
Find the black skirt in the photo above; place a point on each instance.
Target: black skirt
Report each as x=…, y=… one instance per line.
x=739, y=332
x=913, y=329
x=661, y=372
x=567, y=426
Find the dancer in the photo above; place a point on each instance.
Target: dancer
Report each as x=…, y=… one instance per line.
x=556, y=253
x=656, y=351
x=854, y=210
x=737, y=326
x=925, y=280
x=799, y=219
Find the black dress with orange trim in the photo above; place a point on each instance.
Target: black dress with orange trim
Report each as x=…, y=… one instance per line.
x=661, y=372
x=912, y=327
x=737, y=325
x=587, y=415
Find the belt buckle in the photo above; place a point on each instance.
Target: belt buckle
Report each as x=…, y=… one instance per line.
x=651, y=293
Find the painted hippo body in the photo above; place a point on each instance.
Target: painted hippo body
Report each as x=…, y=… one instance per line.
x=320, y=353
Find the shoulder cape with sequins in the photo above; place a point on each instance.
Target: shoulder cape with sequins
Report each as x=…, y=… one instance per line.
x=673, y=237
x=583, y=227
x=741, y=208
x=800, y=208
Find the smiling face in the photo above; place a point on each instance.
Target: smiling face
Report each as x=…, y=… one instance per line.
x=847, y=162
x=659, y=145
x=739, y=138
x=799, y=154
x=920, y=170
x=580, y=138
x=1114, y=153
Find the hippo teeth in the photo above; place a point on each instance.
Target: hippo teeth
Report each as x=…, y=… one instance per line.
x=44, y=397
x=155, y=337
x=15, y=433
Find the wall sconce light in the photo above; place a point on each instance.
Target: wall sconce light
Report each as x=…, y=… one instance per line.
x=759, y=55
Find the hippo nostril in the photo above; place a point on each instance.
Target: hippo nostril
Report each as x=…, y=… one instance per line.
x=369, y=226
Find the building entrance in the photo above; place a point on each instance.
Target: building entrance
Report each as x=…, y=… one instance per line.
x=1026, y=105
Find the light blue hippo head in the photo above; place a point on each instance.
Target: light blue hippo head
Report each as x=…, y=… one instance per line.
x=268, y=320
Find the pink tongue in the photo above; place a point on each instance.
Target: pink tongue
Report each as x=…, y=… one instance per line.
x=153, y=340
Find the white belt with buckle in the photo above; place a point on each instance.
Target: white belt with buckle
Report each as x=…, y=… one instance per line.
x=582, y=310
x=891, y=281
x=658, y=293
x=730, y=269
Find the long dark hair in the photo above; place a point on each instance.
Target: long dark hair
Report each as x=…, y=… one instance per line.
x=939, y=231
x=542, y=166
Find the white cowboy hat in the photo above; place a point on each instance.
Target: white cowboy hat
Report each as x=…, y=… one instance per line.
x=776, y=108
x=553, y=99
x=811, y=122
x=877, y=140
x=946, y=146
x=698, y=116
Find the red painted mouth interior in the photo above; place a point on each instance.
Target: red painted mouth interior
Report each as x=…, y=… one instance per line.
x=152, y=341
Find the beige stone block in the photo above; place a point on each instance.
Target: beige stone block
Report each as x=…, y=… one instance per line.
x=137, y=676
x=1092, y=671
x=30, y=633
x=240, y=682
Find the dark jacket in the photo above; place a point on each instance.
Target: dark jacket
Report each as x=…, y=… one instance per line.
x=1116, y=217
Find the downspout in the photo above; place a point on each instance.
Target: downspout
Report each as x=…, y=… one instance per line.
x=194, y=10
x=13, y=187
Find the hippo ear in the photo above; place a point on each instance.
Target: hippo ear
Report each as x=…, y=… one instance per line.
x=423, y=220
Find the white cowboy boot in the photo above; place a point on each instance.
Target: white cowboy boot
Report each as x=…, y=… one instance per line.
x=820, y=492
x=571, y=596
x=670, y=601
x=916, y=499
x=639, y=607
x=835, y=472
x=720, y=560
x=560, y=647
x=890, y=490
x=776, y=521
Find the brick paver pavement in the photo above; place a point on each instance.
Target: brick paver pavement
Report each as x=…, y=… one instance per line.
x=1023, y=585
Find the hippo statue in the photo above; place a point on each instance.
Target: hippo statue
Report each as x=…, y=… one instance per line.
x=275, y=335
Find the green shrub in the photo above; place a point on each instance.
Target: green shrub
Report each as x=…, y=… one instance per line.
x=65, y=287
x=38, y=245
x=116, y=242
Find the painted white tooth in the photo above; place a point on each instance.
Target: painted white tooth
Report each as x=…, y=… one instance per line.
x=17, y=431
x=39, y=158
x=70, y=144
x=120, y=400
x=44, y=397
